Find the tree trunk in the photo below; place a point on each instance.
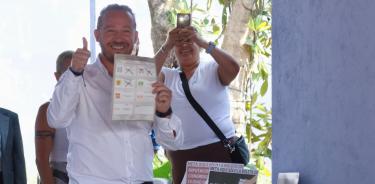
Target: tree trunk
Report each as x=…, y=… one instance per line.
x=160, y=26
x=159, y=21
x=234, y=36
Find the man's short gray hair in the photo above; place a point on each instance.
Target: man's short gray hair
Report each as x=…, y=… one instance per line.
x=112, y=7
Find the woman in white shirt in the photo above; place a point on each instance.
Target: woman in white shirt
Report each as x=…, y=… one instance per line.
x=208, y=81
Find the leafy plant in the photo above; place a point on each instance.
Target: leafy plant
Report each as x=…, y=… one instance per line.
x=258, y=114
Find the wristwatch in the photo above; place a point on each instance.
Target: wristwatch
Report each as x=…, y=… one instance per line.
x=163, y=114
x=210, y=48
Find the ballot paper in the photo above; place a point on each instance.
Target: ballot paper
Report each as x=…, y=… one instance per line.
x=198, y=172
x=132, y=97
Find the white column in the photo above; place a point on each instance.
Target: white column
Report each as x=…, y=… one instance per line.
x=92, y=28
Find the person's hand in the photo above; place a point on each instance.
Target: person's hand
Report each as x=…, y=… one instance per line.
x=172, y=39
x=163, y=97
x=80, y=57
x=189, y=34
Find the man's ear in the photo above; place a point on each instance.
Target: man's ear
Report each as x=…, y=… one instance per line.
x=135, y=45
x=136, y=36
x=97, y=33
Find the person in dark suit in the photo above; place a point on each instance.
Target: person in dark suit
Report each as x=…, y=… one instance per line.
x=12, y=160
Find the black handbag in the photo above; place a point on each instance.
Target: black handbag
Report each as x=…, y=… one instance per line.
x=238, y=149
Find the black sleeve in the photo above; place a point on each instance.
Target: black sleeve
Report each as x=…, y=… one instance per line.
x=18, y=156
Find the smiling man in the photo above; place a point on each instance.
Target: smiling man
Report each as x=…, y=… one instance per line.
x=101, y=150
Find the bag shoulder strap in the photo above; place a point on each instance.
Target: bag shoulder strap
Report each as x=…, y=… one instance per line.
x=201, y=111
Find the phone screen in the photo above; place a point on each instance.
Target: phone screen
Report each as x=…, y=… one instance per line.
x=183, y=19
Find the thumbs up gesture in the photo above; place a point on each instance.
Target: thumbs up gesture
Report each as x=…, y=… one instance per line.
x=80, y=57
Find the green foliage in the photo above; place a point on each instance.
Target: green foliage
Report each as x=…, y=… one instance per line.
x=258, y=115
x=162, y=167
x=163, y=171
x=209, y=3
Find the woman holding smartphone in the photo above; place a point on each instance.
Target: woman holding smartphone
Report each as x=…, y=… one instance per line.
x=208, y=82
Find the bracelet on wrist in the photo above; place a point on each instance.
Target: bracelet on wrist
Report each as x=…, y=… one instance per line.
x=75, y=73
x=210, y=48
x=163, y=114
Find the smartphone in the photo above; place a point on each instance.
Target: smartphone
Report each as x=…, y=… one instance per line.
x=183, y=20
